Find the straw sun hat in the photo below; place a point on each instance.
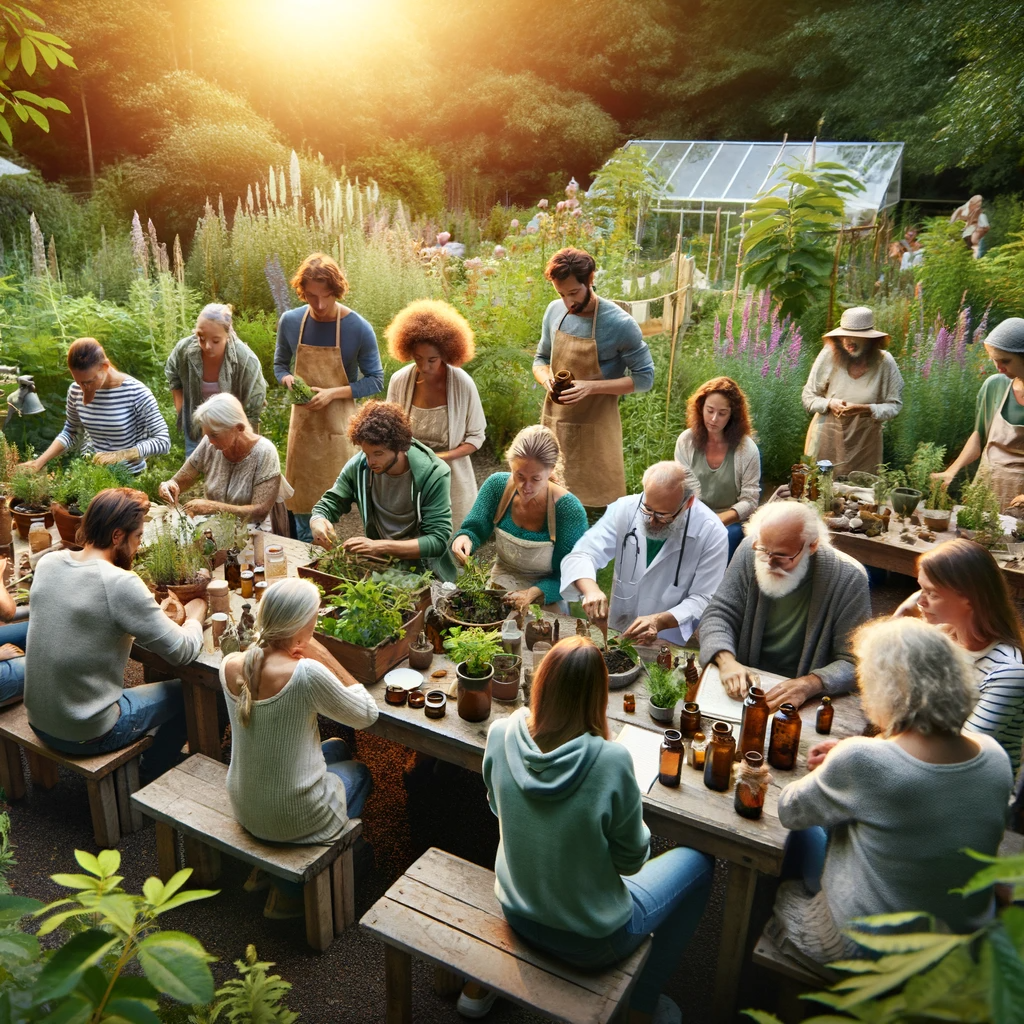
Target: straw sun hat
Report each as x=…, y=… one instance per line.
x=856, y=322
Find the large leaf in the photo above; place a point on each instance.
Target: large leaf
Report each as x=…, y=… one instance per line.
x=14, y=908
x=185, y=897
x=1007, y=992
x=88, y=862
x=53, y=923
x=28, y=56
x=132, y=1011
x=108, y=861
x=130, y=986
x=76, y=1009
x=176, y=964
x=1002, y=869
x=17, y=946
x=64, y=969
x=76, y=881
x=119, y=908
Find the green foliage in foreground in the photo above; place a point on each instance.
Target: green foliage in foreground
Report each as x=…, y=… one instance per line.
x=473, y=646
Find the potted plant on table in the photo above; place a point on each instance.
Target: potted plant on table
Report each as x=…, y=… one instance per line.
x=622, y=660
x=978, y=519
x=72, y=491
x=474, y=602
x=30, y=499
x=174, y=561
x=538, y=629
x=664, y=692
x=938, y=508
x=473, y=651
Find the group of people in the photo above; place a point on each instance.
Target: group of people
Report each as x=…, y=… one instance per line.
x=695, y=548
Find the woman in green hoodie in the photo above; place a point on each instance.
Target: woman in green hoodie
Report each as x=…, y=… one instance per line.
x=572, y=827
x=402, y=490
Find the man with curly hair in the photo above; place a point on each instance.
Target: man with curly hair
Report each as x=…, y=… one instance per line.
x=402, y=490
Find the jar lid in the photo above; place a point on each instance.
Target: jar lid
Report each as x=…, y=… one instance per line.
x=273, y=549
x=699, y=737
x=217, y=586
x=247, y=574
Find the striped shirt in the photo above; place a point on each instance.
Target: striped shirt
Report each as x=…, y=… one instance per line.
x=1000, y=709
x=117, y=418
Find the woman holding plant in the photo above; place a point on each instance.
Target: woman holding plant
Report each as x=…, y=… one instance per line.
x=439, y=397
x=285, y=786
x=853, y=388
x=574, y=875
x=722, y=463
x=241, y=471
x=108, y=413
x=998, y=436
x=535, y=521
x=213, y=360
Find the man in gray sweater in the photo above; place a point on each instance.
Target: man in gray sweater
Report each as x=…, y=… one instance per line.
x=788, y=604
x=87, y=609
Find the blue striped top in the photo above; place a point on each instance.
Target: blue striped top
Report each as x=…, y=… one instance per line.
x=117, y=418
x=1000, y=708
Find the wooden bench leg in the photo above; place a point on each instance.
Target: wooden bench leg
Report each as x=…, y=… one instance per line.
x=319, y=916
x=203, y=860
x=166, y=851
x=732, y=948
x=103, y=806
x=12, y=778
x=447, y=983
x=126, y=781
x=42, y=770
x=397, y=986
x=343, y=892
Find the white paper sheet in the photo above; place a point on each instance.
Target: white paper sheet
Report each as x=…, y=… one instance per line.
x=645, y=748
x=716, y=705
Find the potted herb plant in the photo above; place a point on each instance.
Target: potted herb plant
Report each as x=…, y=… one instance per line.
x=938, y=508
x=72, y=491
x=474, y=602
x=30, y=499
x=978, y=519
x=220, y=534
x=367, y=627
x=473, y=650
x=664, y=692
x=537, y=629
x=174, y=561
x=622, y=661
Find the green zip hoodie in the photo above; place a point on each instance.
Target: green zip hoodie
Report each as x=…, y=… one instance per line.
x=431, y=497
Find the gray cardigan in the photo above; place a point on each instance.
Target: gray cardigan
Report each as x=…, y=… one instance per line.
x=734, y=621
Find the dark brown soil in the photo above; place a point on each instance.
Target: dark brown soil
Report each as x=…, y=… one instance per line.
x=618, y=661
x=482, y=608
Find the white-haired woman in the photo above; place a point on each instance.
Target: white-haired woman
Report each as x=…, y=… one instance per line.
x=285, y=786
x=213, y=360
x=902, y=806
x=534, y=520
x=241, y=471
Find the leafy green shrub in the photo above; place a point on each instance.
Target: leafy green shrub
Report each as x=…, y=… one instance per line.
x=83, y=479
x=980, y=512
x=31, y=489
x=928, y=458
x=255, y=997
x=950, y=277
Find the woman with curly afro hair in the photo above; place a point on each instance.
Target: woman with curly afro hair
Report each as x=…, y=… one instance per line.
x=401, y=489
x=722, y=463
x=438, y=396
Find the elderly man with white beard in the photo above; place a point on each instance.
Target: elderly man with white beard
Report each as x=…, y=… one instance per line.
x=789, y=604
x=670, y=553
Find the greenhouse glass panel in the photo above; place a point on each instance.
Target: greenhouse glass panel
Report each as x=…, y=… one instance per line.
x=752, y=174
x=691, y=169
x=721, y=171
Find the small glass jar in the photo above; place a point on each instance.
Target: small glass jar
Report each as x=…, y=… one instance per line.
x=785, y=741
x=751, y=785
x=755, y=722
x=276, y=563
x=258, y=574
x=689, y=719
x=698, y=751
x=670, y=763
x=218, y=623
x=396, y=695
x=435, y=704
x=39, y=538
x=629, y=703
x=259, y=589
x=417, y=698
x=718, y=762
x=664, y=658
x=246, y=578
x=823, y=719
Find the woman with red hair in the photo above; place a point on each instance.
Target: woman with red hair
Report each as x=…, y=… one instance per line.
x=717, y=450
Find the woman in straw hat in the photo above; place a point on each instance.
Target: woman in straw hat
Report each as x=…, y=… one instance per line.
x=853, y=388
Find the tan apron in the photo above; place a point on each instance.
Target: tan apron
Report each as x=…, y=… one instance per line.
x=589, y=432
x=318, y=444
x=850, y=443
x=1002, y=460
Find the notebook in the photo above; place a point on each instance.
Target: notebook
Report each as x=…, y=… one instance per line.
x=716, y=705
x=645, y=748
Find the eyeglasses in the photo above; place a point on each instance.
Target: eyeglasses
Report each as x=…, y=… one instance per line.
x=662, y=517
x=776, y=556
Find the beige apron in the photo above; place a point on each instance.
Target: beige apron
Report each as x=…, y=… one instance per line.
x=850, y=443
x=1002, y=460
x=318, y=444
x=589, y=432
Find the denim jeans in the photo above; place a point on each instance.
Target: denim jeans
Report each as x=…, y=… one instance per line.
x=302, y=530
x=735, y=531
x=358, y=783
x=143, y=707
x=669, y=894
x=805, y=857
x=190, y=445
x=12, y=673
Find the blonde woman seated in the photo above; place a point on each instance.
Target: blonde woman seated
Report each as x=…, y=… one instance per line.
x=439, y=397
x=535, y=521
x=241, y=471
x=285, y=786
x=902, y=807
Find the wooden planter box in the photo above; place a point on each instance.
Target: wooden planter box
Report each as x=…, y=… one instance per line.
x=332, y=584
x=368, y=664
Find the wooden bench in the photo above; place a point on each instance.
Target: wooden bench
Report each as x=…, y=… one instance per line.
x=110, y=778
x=193, y=799
x=443, y=910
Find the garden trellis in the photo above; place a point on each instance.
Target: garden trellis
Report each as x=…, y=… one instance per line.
x=710, y=184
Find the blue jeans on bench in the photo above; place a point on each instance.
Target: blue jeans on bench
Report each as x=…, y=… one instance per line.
x=805, y=857
x=358, y=783
x=12, y=673
x=669, y=894
x=143, y=707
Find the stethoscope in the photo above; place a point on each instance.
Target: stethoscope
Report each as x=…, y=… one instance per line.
x=632, y=535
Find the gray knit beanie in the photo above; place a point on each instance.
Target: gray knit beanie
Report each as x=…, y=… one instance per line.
x=1008, y=336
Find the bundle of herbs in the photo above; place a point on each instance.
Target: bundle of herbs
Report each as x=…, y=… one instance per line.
x=301, y=393
x=980, y=513
x=346, y=566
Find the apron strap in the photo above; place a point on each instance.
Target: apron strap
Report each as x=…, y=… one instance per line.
x=506, y=499
x=551, y=513
x=337, y=329
x=302, y=327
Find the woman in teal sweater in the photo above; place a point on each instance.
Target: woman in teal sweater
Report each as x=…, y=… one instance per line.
x=572, y=826
x=534, y=521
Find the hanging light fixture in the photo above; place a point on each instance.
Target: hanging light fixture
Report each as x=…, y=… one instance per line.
x=25, y=401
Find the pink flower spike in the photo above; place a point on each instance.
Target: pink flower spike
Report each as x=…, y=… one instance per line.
x=542, y=204
x=444, y=238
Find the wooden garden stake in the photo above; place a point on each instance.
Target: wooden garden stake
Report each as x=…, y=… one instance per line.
x=677, y=256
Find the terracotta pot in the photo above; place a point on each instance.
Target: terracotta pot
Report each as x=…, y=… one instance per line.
x=186, y=592
x=536, y=631
x=23, y=519
x=67, y=525
x=507, y=669
x=936, y=520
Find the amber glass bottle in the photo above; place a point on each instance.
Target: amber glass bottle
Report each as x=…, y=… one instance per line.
x=629, y=703
x=755, y=722
x=689, y=719
x=823, y=720
x=751, y=785
x=718, y=762
x=698, y=751
x=692, y=676
x=785, y=741
x=665, y=658
x=232, y=570
x=670, y=765
x=562, y=381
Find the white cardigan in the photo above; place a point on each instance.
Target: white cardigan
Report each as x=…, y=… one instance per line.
x=466, y=425
x=747, y=463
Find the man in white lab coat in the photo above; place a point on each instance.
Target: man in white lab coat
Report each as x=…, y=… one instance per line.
x=670, y=553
